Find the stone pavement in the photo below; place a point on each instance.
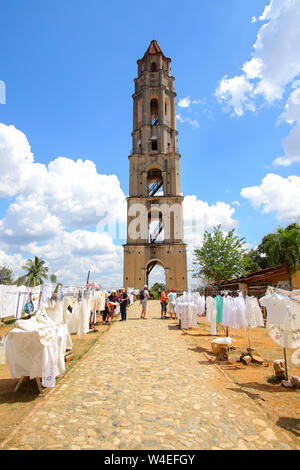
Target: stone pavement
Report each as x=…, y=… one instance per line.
x=145, y=385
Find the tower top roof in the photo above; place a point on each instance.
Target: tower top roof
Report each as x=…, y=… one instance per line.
x=154, y=49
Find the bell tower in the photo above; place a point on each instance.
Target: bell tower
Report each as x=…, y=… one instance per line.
x=154, y=205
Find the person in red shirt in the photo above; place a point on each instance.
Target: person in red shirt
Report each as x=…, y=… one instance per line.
x=163, y=304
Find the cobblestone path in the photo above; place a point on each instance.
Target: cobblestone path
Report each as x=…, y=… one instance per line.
x=145, y=385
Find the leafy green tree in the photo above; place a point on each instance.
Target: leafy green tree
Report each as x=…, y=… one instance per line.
x=155, y=287
x=259, y=258
x=53, y=278
x=35, y=272
x=6, y=275
x=283, y=247
x=221, y=257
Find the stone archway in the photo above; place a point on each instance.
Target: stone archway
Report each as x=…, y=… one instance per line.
x=150, y=265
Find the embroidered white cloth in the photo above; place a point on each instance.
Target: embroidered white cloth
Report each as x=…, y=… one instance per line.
x=36, y=348
x=55, y=311
x=8, y=301
x=283, y=307
x=188, y=315
x=47, y=291
x=253, y=313
x=211, y=314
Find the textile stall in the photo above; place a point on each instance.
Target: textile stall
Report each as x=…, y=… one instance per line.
x=13, y=299
x=36, y=348
x=233, y=311
x=188, y=307
x=283, y=320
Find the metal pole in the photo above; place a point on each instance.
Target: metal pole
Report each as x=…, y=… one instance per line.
x=285, y=362
x=18, y=305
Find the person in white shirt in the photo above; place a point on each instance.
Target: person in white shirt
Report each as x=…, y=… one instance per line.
x=144, y=296
x=172, y=296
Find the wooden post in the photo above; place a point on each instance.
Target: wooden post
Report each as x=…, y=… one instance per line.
x=285, y=363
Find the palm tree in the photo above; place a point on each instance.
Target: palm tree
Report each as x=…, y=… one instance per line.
x=36, y=272
x=283, y=247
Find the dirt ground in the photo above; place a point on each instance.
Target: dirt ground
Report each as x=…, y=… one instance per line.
x=280, y=404
x=15, y=406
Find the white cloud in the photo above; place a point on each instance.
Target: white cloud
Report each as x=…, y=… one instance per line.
x=236, y=203
x=234, y=93
x=53, y=204
x=184, y=102
x=291, y=145
x=187, y=101
x=193, y=122
x=16, y=160
x=200, y=216
x=272, y=71
x=276, y=194
x=14, y=262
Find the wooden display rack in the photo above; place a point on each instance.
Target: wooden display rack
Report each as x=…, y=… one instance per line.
x=21, y=380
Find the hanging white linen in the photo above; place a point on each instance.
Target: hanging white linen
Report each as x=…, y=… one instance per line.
x=211, y=314
x=254, y=315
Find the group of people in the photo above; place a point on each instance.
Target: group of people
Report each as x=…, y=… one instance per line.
x=111, y=302
x=165, y=297
x=121, y=298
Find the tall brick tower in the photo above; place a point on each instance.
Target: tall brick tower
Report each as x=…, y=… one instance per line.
x=154, y=205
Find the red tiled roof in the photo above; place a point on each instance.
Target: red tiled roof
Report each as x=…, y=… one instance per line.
x=154, y=49
x=256, y=275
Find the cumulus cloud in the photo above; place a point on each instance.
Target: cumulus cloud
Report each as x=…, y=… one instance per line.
x=187, y=101
x=276, y=194
x=193, y=122
x=271, y=72
x=234, y=94
x=52, y=207
x=200, y=216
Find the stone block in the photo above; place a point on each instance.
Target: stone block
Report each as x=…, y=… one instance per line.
x=246, y=360
x=295, y=381
x=279, y=368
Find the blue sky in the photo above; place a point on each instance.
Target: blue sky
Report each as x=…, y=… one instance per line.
x=69, y=66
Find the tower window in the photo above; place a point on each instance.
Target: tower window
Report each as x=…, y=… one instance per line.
x=154, y=144
x=153, y=67
x=154, y=112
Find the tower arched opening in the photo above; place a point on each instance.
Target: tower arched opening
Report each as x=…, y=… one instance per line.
x=154, y=181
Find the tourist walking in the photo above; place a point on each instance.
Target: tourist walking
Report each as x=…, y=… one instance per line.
x=172, y=296
x=123, y=299
x=112, y=305
x=144, y=296
x=163, y=304
x=159, y=292
x=105, y=312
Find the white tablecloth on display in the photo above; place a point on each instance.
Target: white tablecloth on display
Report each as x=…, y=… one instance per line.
x=26, y=355
x=188, y=315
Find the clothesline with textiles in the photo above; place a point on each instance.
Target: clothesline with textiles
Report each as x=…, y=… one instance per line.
x=188, y=307
x=231, y=311
x=283, y=320
x=55, y=318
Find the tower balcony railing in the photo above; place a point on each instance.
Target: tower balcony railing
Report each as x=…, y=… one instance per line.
x=155, y=120
x=155, y=186
x=154, y=235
